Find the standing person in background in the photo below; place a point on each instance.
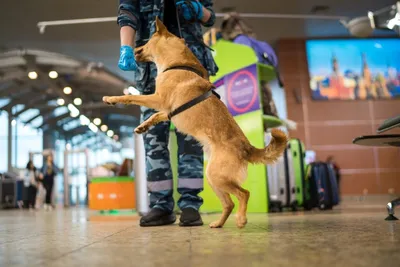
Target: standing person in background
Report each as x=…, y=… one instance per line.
x=48, y=172
x=136, y=19
x=31, y=183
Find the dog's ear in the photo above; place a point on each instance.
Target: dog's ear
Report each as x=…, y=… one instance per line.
x=159, y=26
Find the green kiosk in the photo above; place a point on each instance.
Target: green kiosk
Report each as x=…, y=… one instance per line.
x=238, y=82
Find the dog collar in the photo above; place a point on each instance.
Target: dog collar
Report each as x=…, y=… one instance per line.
x=194, y=101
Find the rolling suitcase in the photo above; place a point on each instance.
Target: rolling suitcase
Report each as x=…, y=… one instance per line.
x=281, y=183
x=8, y=192
x=298, y=155
x=333, y=184
x=321, y=187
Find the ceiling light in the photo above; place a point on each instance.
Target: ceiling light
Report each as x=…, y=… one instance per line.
x=110, y=133
x=74, y=114
x=67, y=90
x=60, y=101
x=93, y=127
x=97, y=121
x=72, y=108
x=32, y=75
x=13, y=122
x=84, y=120
x=53, y=74
x=78, y=101
x=104, y=128
x=74, y=111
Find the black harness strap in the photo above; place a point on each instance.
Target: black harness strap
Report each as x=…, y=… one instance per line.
x=190, y=104
x=185, y=68
x=194, y=101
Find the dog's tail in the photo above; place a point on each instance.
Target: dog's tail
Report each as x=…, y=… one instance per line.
x=270, y=153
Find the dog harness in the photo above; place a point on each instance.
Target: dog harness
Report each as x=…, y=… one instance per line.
x=194, y=101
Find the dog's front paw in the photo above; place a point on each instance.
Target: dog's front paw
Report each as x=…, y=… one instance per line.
x=216, y=224
x=108, y=100
x=141, y=129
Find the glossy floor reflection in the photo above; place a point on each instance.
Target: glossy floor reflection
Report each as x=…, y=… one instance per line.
x=66, y=238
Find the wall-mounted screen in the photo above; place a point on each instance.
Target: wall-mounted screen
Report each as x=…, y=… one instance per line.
x=351, y=69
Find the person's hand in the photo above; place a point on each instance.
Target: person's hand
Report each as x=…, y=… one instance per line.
x=41, y=176
x=127, y=59
x=191, y=10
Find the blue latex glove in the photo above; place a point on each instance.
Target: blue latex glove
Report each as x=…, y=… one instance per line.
x=191, y=10
x=127, y=58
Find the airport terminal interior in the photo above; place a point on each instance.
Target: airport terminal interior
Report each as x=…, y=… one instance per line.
x=91, y=180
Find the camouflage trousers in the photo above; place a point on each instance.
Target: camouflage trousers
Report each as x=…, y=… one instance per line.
x=158, y=166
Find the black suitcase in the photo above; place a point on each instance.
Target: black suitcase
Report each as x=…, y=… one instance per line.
x=321, y=187
x=8, y=193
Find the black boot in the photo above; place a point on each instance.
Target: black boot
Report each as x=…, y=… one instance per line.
x=157, y=217
x=190, y=217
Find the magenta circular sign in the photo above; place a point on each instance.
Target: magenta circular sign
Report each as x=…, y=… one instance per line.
x=242, y=91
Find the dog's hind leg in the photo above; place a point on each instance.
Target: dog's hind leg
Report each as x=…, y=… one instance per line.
x=227, y=205
x=243, y=196
x=151, y=101
x=154, y=119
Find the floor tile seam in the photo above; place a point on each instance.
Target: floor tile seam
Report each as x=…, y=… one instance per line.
x=88, y=245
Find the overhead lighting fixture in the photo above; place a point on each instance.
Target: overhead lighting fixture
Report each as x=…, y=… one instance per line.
x=32, y=75
x=74, y=114
x=133, y=91
x=13, y=122
x=104, y=128
x=72, y=108
x=84, y=120
x=53, y=74
x=110, y=133
x=78, y=101
x=93, y=127
x=67, y=90
x=60, y=102
x=74, y=111
x=97, y=121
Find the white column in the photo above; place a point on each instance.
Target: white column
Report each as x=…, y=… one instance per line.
x=142, y=198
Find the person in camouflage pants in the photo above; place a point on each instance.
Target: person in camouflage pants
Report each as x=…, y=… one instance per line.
x=136, y=19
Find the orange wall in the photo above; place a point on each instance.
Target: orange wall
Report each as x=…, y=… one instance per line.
x=328, y=127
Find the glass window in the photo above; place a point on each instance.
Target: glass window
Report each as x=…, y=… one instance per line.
x=27, y=139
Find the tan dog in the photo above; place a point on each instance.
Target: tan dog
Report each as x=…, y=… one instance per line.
x=209, y=121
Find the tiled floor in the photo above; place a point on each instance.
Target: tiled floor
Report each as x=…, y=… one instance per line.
x=67, y=238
